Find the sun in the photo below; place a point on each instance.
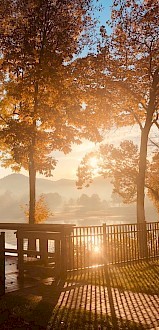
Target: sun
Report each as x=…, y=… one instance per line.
x=96, y=249
x=93, y=162
x=94, y=165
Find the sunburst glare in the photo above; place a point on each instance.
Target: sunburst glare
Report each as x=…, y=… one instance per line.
x=94, y=165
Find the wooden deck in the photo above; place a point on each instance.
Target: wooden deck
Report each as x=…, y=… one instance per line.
x=12, y=283
x=52, y=258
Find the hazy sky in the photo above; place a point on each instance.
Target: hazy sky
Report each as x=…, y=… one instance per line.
x=67, y=164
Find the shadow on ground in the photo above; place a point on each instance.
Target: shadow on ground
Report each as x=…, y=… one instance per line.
x=114, y=297
x=30, y=307
x=117, y=297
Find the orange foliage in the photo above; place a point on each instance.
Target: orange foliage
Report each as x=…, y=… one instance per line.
x=42, y=212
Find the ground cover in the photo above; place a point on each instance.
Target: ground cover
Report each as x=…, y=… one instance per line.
x=137, y=277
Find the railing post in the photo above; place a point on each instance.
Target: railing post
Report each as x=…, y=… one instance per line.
x=64, y=253
x=104, y=244
x=43, y=242
x=2, y=264
x=65, y=250
x=20, y=255
x=57, y=258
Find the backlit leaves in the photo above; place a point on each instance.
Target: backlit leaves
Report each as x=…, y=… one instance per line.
x=41, y=105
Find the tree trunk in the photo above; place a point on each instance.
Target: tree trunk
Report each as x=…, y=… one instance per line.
x=32, y=197
x=32, y=173
x=142, y=233
x=141, y=176
x=142, y=166
x=32, y=168
x=32, y=194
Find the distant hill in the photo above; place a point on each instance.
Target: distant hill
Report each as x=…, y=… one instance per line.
x=18, y=185
x=14, y=194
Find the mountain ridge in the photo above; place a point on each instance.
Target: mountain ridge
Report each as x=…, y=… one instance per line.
x=18, y=185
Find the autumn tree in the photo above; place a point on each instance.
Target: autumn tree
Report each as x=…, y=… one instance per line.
x=41, y=103
x=121, y=165
x=42, y=211
x=152, y=182
x=127, y=75
x=132, y=55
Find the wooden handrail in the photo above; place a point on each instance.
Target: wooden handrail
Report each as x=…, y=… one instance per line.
x=38, y=227
x=38, y=234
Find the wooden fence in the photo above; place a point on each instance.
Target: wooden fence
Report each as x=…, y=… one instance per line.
x=111, y=244
x=2, y=264
x=86, y=247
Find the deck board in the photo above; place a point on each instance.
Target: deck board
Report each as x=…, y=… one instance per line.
x=12, y=282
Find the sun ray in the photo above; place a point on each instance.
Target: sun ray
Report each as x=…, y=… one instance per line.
x=94, y=165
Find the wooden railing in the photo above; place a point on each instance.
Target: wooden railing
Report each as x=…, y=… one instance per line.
x=64, y=229
x=40, y=260
x=89, y=246
x=39, y=247
x=2, y=264
x=112, y=244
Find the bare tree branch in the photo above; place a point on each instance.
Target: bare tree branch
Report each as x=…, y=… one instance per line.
x=136, y=118
x=154, y=143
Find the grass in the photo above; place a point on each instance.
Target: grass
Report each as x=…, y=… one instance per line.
x=138, y=277
x=75, y=320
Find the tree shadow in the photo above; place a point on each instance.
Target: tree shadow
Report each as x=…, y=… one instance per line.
x=138, y=277
x=114, y=297
x=31, y=305
x=111, y=298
